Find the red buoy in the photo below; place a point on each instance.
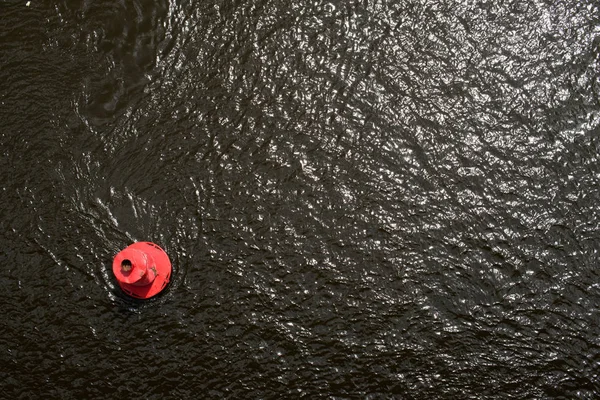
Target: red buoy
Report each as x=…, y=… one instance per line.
x=142, y=269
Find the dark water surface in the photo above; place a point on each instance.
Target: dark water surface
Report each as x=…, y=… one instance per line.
x=361, y=199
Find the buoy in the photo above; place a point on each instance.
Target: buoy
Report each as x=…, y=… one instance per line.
x=142, y=269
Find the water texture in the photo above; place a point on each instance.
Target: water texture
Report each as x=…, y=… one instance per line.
x=361, y=199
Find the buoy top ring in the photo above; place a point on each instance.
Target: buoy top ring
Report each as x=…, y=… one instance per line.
x=130, y=267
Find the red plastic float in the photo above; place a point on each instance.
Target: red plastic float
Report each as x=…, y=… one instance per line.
x=142, y=269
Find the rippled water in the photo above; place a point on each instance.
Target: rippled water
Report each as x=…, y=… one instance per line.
x=361, y=199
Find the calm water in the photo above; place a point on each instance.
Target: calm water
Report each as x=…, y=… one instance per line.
x=361, y=199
